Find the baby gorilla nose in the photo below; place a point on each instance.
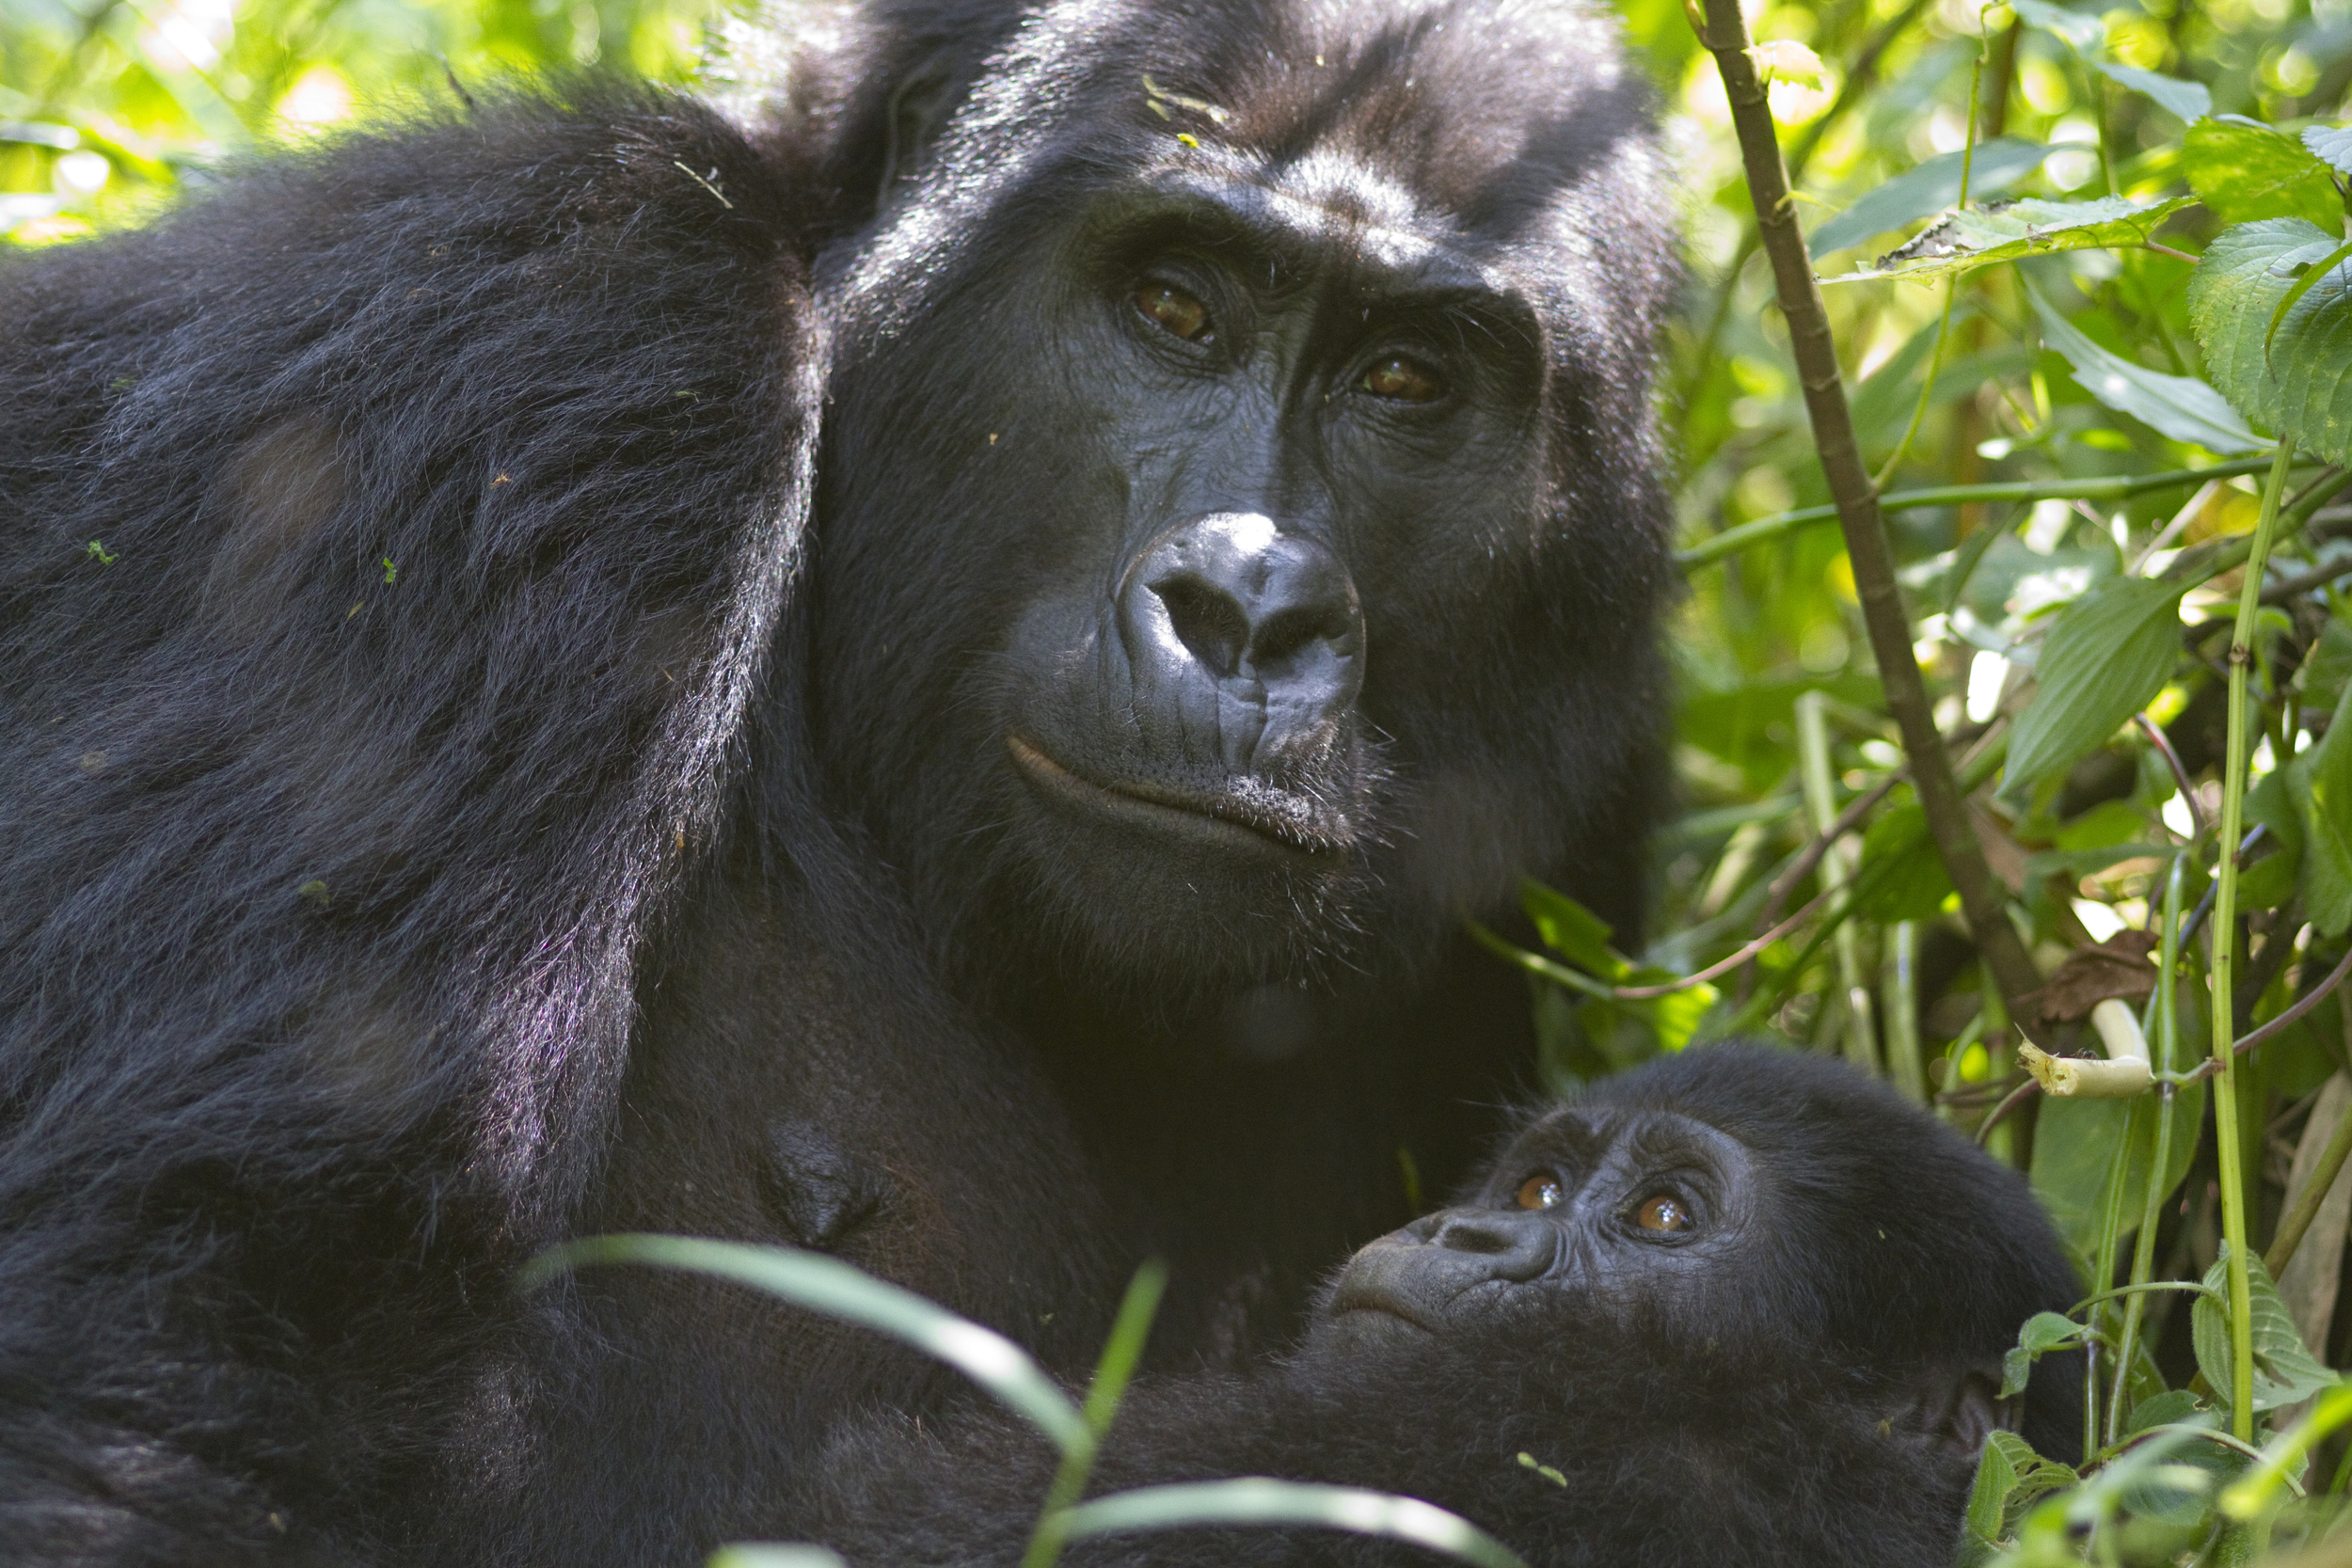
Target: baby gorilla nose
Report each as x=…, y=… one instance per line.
x=1417, y=1272
x=1266, y=620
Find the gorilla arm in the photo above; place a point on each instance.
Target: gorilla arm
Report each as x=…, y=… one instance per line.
x=392, y=541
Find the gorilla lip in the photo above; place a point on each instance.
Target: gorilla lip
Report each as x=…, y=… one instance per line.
x=1150, y=806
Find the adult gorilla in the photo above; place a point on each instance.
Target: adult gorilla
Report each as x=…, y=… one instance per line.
x=487, y=763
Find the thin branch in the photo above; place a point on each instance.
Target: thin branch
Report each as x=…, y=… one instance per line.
x=2163, y=743
x=1724, y=966
x=1810, y=856
x=1983, y=901
x=2113, y=487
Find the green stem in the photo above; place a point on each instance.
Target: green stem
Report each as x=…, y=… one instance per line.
x=2223, y=935
x=1111, y=1375
x=2112, y=487
x=2160, y=1026
x=1822, y=802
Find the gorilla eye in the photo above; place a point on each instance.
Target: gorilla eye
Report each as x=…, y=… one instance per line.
x=1541, y=1191
x=1402, y=380
x=1176, y=311
x=1662, y=1213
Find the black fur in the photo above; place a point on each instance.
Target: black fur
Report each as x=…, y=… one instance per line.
x=1801, y=1379
x=506, y=626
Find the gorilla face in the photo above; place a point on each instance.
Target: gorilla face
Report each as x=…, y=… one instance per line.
x=1252, y=494
x=1646, y=1220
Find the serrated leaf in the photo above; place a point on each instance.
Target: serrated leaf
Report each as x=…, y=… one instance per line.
x=2179, y=406
x=2079, y=32
x=2332, y=145
x=2284, y=1372
x=2032, y=227
x=2042, y=1333
x=1930, y=187
x=2187, y=100
x=2301, y=384
x=2006, y=1456
x=2244, y=171
x=2109, y=654
x=2326, y=804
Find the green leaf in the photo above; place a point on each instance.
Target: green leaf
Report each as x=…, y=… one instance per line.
x=1929, y=188
x=2299, y=385
x=1963, y=241
x=2109, y=654
x=1573, y=932
x=2244, y=171
x=2009, y=1476
x=2284, y=1371
x=2326, y=803
x=827, y=1284
x=2080, y=33
x=2332, y=145
x=2074, y=1158
x=1256, y=1500
x=1913, y=884
x=2043, y=1332
x=2179, y=406
x=2189, y=101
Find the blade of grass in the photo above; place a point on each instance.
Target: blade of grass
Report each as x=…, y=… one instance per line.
x=1256, y=1500
x=1111, y=1375
x=827, y=1284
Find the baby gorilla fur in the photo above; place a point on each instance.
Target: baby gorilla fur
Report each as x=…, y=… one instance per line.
x=1793, y=1361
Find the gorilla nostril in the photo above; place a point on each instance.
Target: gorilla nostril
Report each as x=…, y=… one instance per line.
x=1212, y=626
x=1476, y=1233
x=1287, y=633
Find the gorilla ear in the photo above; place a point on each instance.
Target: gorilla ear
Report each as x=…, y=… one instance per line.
x=1957, y=1410
x=918, y=110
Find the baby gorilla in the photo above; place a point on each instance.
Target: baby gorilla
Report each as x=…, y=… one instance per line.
x=1742, y=1306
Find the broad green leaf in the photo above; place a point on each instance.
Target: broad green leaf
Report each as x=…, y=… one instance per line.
x=2108, y=657
x=2284, y=1371
x=2080, y=32
x=2032, y=227
x=2244, y=170
x=2328, y=668
x=2332, y=145
x=2006, y=1456
x=2074, y=1158
x=2181, y=407
x=2326, y=803
x=1929, y=188
x=2189, y=101
x=1573, y=932
x=827, y=1284
x=2043, y=1332
x=2301, y=384
x=1257, y=1500
x=1913, y=884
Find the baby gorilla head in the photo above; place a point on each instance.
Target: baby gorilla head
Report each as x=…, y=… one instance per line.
x=1740, y=1305
x=1735, y=1213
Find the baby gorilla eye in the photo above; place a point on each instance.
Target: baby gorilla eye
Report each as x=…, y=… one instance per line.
x=1170, y=308
x=1541, y=1191
x=1662, y=1212
x=1402, y=380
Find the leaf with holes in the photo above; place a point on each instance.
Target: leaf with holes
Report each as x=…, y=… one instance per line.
x=1932, y=187
x=2181, y=407
x=2299, y=383
x=2109, y=654
x=1980, y=238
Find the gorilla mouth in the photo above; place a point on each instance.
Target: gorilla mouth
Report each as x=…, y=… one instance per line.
x=1275, y=816
x=1357, y=1295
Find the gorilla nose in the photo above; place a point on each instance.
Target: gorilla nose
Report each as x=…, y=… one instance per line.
x=1498, y=1244
x=1269, y=618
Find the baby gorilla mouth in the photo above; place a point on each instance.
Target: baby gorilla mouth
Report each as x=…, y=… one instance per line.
x=1417, y=1274
x=1253, y=811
